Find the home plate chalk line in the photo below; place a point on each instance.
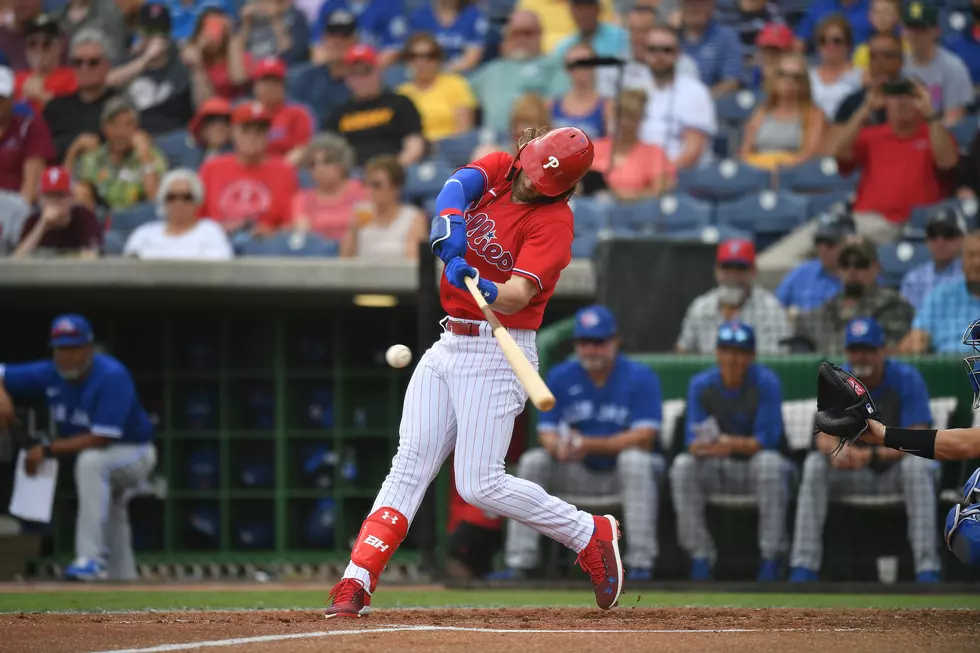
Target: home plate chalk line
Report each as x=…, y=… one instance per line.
x=261, y=639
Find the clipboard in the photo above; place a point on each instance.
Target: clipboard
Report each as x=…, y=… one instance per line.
x=33, y=496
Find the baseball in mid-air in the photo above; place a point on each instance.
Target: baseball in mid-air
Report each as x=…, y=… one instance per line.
x=398, y=356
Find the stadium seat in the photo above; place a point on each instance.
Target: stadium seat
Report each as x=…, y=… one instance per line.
x=305, y=176
x=916, y=225
x=681, y=212
x=823, y=202
x=126, y=221
x=952, y=23
x=425, y=180
x=711, y=234
x=898, y=258
x=291, y=243
x=726, y=179
x=735, y=108
x=769, y=215
x=456, y=150
x=590, y=214
x=178, y=149
x=395, y=75
x=814, y=176
x=632, y=218
x=964, y=131
x=113, y=243
x=584, y=245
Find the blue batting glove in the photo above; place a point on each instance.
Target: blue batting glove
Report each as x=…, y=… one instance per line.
x=447, y=237
x=456, y=272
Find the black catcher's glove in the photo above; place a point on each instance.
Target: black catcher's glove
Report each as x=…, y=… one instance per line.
x=843, y=404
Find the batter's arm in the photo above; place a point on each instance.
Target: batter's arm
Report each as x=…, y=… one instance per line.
x=514, y=295
x=946, y=444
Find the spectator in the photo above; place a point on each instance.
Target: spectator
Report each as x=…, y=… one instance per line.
x=384, y=227
x=737, y=297
x=81, y=112
x=214, y=49
x=942, y=73
x=945, y=229
x=901, y=396
x=611, y=409
x=130, y=10
x=25, y=144
x=529, y=112
x=248, y=189
x=375, y=121
x=103, y=15
x=680, y=113
x=211, y=128
x=443, y=99
x=714, y=46
x=632, y=170
x=605, y=39
x=748, y=18
x=906, y=162
x=181, y=235
x=155, y=78
x=275, y=28
x=834, y=77
x=581, y=106
x=292, y=125
x=636, y=73
x=13, y=214
x=13, y=37
x=321, y=86
x=885, y=66
x=57, y=224
x=854, y=11
x=885, y=17
x=46, y=78
x=938, y=326
x=788, y=127
x=558, y=18
x=734, y=427
x=812, y=283
x=126, y=168
x=85, y=194
x=381, y=24
x=861, y=295
x=966, y=44
x=185, y=15
x=459, y=28
x=521, y=69
x=328, y=207
x=774, y=41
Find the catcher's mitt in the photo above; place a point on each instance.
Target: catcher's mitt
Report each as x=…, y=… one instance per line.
x=843, y=405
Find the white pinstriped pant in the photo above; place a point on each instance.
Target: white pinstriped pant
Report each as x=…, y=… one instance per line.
x=463, y=394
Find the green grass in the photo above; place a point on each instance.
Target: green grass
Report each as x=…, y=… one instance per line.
x=128, y=600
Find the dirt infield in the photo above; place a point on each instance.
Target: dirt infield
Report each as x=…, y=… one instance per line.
x=570, y=630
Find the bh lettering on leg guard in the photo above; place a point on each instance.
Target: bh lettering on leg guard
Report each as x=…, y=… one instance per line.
x=381, y=534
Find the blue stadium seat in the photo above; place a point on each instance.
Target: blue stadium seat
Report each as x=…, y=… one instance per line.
x=822, y=202
x=898, y=258
x=127, y=220
x=584, y=245
x=425, y=179
x=725, y=179
x=456, y=150
x=590, y=215
x=814, y=176
x=305, y=177
x=289, y=243
x=631, y=218
x=735, y=108
x=952, y=23
x=964, y=131
x=113, y=243
x=710, y=234
x=916, y=225
x=179, y=149
x=769, y=215
x=395, y=75
x=677, y=213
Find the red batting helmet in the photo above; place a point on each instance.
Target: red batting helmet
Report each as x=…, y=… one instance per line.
x=555, y=161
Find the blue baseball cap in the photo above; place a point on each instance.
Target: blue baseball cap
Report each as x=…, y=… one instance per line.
x=737, y=335
x=70, y=330
x=864, y=332
x=594, y=322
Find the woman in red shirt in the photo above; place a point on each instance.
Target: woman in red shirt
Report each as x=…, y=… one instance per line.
x=328, y=207
x=222, y=55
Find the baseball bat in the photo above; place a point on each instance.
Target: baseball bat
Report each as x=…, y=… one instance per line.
x=535, y=386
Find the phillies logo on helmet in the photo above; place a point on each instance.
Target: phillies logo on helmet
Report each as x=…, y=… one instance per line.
x=482, y=234
x=857, y=387
x=552, y=163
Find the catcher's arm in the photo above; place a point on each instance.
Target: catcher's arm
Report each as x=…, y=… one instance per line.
x=947, y=444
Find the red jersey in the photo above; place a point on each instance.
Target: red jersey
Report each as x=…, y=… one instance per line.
x=897, y=174
x=506, y=238
x=235, y=193
x=292, y=126
x=59, y=83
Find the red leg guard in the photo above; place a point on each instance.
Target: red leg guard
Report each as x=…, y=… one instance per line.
x=380, y=535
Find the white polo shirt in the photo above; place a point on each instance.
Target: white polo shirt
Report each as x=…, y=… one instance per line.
x=205, y=242
x=673, y=109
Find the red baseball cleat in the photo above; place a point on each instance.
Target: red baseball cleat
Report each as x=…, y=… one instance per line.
x=600, y=560
x=349, y=600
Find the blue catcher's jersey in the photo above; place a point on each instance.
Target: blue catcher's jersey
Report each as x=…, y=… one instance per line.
x=631, y=398
x=103, y=403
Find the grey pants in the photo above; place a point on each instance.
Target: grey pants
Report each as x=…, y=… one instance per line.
x=796, y=246
x=635, y=478
x=912, y=477
x=767, y=475
x=106, y=480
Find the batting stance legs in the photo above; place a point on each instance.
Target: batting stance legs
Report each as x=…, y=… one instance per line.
x=463, y=394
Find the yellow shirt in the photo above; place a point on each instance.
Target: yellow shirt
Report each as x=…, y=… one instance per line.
x=862, y=56
x=556, y=19
x=439, y=104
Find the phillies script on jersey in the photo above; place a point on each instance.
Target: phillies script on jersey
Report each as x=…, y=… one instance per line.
x=505, y=238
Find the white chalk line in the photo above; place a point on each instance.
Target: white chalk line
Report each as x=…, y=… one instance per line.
x=262, y=639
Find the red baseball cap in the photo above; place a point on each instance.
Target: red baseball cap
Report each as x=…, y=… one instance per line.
x=249, y=112
x=361, y=54
x=56, y=180
x=736, y=250
x=269, y=67
x=775, y=35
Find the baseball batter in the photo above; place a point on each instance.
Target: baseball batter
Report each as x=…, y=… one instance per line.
x=505, y=221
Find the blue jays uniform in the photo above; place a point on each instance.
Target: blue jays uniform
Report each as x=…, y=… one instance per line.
x=101, y=402
x=380, y=23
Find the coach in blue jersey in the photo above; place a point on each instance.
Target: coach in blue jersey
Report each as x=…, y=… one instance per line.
x=598, y=440
x=739, y=455
x=93, y=403
x=902, y=398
